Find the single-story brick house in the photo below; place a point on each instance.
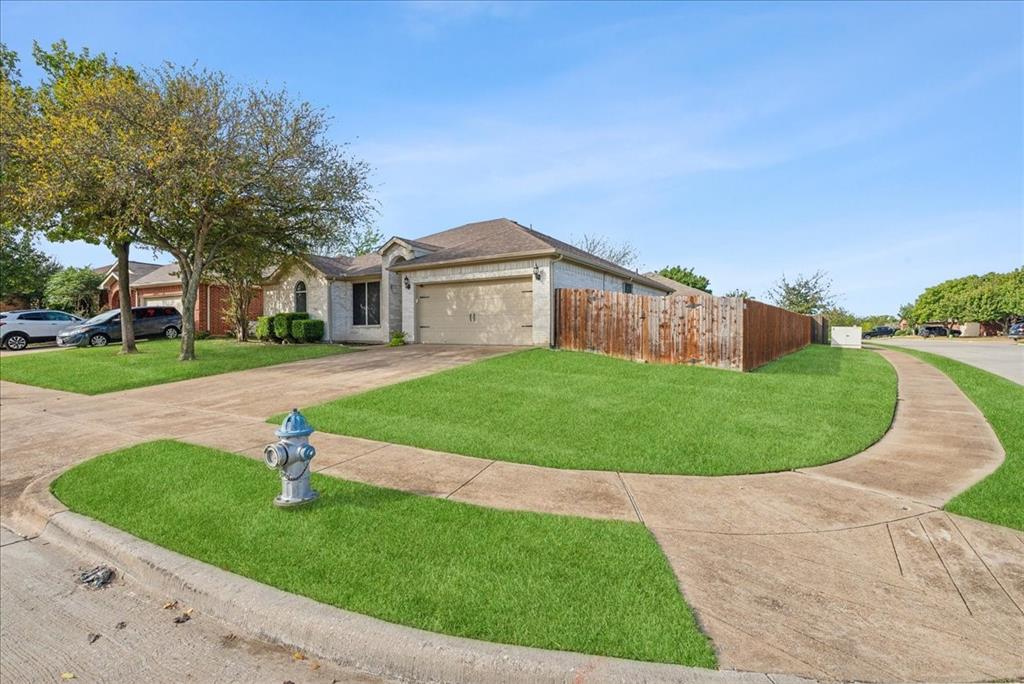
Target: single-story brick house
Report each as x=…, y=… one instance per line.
x=156, y=285
x=491, y=282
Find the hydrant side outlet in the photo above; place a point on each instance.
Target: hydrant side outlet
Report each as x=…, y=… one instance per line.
x=291, y=455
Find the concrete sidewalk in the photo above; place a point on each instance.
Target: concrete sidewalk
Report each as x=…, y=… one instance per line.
x=846, y=571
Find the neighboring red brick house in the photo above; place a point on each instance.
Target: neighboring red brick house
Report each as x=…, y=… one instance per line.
x=152, y=284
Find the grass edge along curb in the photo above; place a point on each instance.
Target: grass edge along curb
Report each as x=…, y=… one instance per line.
x=530, y=579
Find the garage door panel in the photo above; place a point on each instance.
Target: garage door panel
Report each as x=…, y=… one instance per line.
x=489, y=312
x=162, y=301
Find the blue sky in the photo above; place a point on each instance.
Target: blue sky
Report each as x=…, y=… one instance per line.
x=880, y=142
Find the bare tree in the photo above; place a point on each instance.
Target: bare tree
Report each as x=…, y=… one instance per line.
x=623, y=254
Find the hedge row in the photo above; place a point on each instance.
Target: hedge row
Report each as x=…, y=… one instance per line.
x=289, y=327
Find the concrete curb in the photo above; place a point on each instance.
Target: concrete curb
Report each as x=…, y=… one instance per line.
x=350, y=639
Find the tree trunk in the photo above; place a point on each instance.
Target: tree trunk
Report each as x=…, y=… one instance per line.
x=124, y=294
x=189, y=295
x=242, y=301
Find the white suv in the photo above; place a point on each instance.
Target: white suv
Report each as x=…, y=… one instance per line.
x=18, y=328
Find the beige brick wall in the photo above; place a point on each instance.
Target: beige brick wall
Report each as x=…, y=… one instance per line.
x=571, y=275
x=341, y=317
x=280, y=297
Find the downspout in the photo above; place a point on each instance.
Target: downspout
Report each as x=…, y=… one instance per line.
x=209, y=325
x=554, y=302
x=330, y=307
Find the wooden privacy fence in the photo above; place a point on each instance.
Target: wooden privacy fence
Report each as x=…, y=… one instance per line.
x=723, y=332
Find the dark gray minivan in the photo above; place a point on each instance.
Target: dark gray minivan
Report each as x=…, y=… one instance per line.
x=98, y=331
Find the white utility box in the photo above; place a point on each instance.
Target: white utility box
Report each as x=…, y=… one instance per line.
x=847, y=336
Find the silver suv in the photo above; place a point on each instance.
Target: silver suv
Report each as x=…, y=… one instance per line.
x=19, y=328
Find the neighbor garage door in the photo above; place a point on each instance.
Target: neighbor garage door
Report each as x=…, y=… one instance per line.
x=163, y=301
x=487, y=312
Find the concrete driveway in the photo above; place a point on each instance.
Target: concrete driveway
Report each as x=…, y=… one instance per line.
x=43, y=430
x=47, y=618
x=998, y=355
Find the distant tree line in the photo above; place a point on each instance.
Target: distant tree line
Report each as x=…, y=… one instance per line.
x=991, y=298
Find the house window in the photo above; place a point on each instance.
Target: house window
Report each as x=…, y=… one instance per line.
x=366, y=303
x=627, y=288
x=300, y=297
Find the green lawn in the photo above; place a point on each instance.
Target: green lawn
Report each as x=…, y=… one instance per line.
x=99, y=370
x=576, y=410
x=999, y=498
x=521, y=578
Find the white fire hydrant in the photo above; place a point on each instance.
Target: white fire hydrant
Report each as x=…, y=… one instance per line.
x=291, y=455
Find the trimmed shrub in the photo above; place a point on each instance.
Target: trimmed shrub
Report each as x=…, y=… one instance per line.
x=307, y=330
x=397, y=338
x=264, y=328
x=203, y=335
x=283, y=324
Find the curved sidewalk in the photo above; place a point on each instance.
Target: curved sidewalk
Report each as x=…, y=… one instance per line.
x=847, y=570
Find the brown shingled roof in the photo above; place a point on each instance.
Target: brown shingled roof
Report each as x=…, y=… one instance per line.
x=136, y=270
x=495, y=240
x=504, y=237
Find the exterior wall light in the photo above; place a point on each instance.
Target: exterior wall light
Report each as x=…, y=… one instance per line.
x=405, y=281
x=536, y=271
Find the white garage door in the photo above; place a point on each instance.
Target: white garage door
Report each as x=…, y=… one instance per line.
x=163, y=301
x=487, y=312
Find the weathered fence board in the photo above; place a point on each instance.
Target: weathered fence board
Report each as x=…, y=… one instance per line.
x=723, y=332
x=770, y=332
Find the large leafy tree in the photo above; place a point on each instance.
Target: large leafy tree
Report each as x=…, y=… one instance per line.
x=906, y=313
x=993, y=297
x=239, y=170
x=24, y=268
x=16, y=115
x=686, y=276
x=74, y=289
x=804, y=294
x=81, y=158
x=837, y=315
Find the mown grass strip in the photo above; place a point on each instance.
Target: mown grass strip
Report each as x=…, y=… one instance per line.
x=577, y=410
x=103, y=369
x=547, y=581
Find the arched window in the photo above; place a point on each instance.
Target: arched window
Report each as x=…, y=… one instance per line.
x=300, y=297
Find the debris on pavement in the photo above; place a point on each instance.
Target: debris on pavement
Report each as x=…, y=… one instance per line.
x=97, y=577
x=93, y=637
x=183, y=618
x=298, y=656
x=170, y=604
x=121, y=625
x=67, y=675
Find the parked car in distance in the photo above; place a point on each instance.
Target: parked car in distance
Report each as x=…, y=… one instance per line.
x=20, y=328
x=99, y=331
x=880, y=331
x=937, y=331
x=1016, y=331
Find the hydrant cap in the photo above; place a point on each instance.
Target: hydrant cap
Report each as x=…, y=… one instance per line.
x=294, y=425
